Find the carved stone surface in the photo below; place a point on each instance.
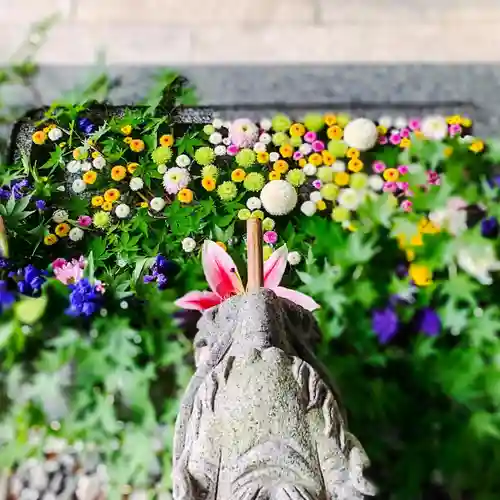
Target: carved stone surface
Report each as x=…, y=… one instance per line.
x=259, y=419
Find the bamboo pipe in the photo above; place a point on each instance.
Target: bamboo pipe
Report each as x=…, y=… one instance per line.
x=255, y=257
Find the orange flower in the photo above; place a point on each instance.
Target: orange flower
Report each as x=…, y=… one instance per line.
x=274, y=175
x=62, y=229
x=316, y=159
x=352, y=153
x=126, y=129
x=391, y=175
x=328, y=158
x=39, y=137
x=263, y=157
x=302, y=162
x=185, y=195
x=132, y=167
x=341, y=178
x=405, y=143
x=127, y=140
x=137, y=145
x=208, y=183
x=222, y=245
x=286, y=151
x=334, y=132
x=50, y=239
x=297, y=130
x=166, y=140
x=118, y=173
x=330, y=119
x=112, y=195
x=238, y=175
x=355, y=165
x=89, y=177
x=107, y=206
x=280, y=166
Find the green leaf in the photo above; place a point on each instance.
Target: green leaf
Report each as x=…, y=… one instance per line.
x=6, y=331
x=30, y=310
x=454, y=318
x=484, y=326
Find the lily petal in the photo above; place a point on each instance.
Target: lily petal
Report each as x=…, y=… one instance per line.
x=220, y=271
x=275, y=266
x=298, y=298
x=198, y=301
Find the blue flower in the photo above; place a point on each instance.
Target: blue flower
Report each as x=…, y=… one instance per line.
x=84, y=299
x=385, y=324
x=41, y=205
x=4, y=263
x=161, y=271
x=489, y=227
x=31, y=280
x=428, y=322
x=7, y=298
x=86, y=126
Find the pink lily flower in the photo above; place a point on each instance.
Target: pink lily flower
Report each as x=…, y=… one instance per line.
x=224, y=280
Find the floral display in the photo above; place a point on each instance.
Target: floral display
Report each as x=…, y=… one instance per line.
x=386, y=229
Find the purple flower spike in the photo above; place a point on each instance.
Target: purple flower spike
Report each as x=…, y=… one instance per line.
x=385, y=324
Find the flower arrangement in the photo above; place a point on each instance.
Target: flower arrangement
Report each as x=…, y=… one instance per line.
x=112, y=218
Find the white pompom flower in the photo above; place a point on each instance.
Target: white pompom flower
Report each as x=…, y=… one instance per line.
x=254, y=203
x=265, y=138
x=220, y=150
x=60, y=216
x=76, y=234
x=349, y=198
x=386, y=121
x=136, y=184
x=375, y=182
x=183, y=161
x=305, y=149
x=315, y=196
x=309, y=169
x=308, y=208
x=55, y=134
x=86, y=166
x=99, y=163
x=294, y=258
x=157, y=204
x=400, y=122
x=434, y=127
x=361, y=134
x=215, y=138
x=73, y=167
x=338, y=166
x=78, y=186
x=266, y=124
x=188, y=245
x=217, y=123
x=274, y=156
x=260, y=147
x=278, y=197
x=122, y=211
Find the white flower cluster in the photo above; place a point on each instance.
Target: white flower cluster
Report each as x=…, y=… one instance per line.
x=278, y=197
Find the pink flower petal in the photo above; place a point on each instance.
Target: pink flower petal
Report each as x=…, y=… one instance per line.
x=220, y=271
x=274, y=267
x=298, y=298
x=199, y=301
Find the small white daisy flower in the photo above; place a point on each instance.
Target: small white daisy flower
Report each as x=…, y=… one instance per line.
x=76, y=234
x=217, y=123
x=305, y=149
x=99, y=162
x=309, y=169
x=136, y=184
x=86, y=166
x=308, y=208
x=215, y=138
x=278, y=197
x=434, y=127
x=260, y=147
x=60, y=216
x=73, y=167
x=266, y=124
x=226, y=141
x=376, y=182
x=338, y=166
x=361, y=134
x=254, y=203
x=386, y=121
x=183, y=161
x=122, y=211
x=220, y=150
x=274, y=156
x=78, y=186
x=161, y=169
x=315, y=196
x=188, y=245
x=294, y=258
x=400, y=122
x=55, y=134
x=157, y=204
x=349, y=198
x=265, y=138
x=124, y=304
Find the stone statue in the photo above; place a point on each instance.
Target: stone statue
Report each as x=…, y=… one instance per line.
x=259, y=419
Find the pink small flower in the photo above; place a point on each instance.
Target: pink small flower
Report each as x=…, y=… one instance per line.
x=406, y=205
x=318, y=146
x=84, y=220
x=403, y=185
x=390, y=187
x=59, y=262
x=270, y=237
x=378, y=166
x=454, y=129
x=310, y=136
x=433, y=178
x=414, y=124
x=317, y=184
x=100, y=286
x=297, y=155
x=405, y=132
x=232, y=150
x=403, y=169
x=382, y=140
x=69, y=272
x=395, y=139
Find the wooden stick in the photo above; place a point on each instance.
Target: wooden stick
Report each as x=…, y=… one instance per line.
x=255, y=255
